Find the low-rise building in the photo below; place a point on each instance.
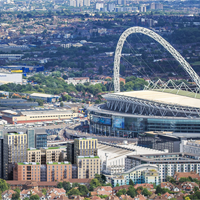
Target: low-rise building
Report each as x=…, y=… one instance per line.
x=78, y=80
x=45, y=97
x=145, y=173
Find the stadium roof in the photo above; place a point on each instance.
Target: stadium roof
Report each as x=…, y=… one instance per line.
x=162, y=97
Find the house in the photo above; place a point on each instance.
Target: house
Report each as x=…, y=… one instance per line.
x=7, y=195
x=125, y=197
x=112, y=197
x=117, y=188
x=167, y=185
x=29, y=192
x=103, y=190
x=55, y=193
x=189, y=186
x=96, y=198
x=140, y=197
x=191, y=174
x=145, y=185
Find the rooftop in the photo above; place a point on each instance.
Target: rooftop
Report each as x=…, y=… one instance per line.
x=59, y=163
x=28, y=163
x=162, y=97
x=83, y=157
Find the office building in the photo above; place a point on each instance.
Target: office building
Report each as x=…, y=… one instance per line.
x=51, y=154
x=31, y=138
x=143, y=8
x=99, y=5
x=159, y=141
x=111, y=7
x=33, y=155
x=119, y=2
x=88, y=166
x=15, y=150
x=167, y=163
x=85, y=147
x=141, y=174
x=40, y=140
x=26, y=171
x=70, y=152
x=57, y=171
x=86, y=2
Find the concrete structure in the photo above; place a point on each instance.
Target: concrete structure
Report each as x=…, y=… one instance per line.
x=85, y=147
x=34, y=155
x=141, y=174
x=11, y=56
x=14, y=150
x=78, y=80
x=45, y=97
x=10, y=78
x=99, y=5
x=88, y=166
x=167, y=163
x=26, y=171
x=57, y=171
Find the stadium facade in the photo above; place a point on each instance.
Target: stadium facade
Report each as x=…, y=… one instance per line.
x=127, y=114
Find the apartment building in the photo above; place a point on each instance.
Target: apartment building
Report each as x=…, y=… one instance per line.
x=70, y=152
x=85, y=147
x=14, y=151
x=167, y=163
x=57, y=171
x=51, y=154
x=31, y=138
x=88, y=166
x=26, y=171
x=34, y=155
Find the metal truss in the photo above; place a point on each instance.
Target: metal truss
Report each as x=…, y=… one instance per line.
x=160, y=40
x=149, y=108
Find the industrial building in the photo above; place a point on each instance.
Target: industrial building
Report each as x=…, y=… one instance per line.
x=10, y=78
x=49, y=98
x=31, y=116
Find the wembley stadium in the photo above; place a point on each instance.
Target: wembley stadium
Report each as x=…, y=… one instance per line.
x=157, y=108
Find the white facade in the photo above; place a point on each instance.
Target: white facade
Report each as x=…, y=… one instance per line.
x=10, y=78
x=78, y=80
x=86, y=2
x=190, y=146
x=99, y=5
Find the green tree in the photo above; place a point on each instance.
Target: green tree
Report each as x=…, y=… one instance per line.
x=75, y=185
x=34, y=197
x=146, y=192
x=131, y=182
x=60, y=185
x=66, y=186
x=44, y=191
x=74, y=192
x=3, y=185
x=15, y=196
x=131, y=191
x=83, y=190
x=61, y=104
x=158, y=190
x=94, y=184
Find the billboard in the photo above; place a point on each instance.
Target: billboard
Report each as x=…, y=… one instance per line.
x=101, y=120
x=118, y=122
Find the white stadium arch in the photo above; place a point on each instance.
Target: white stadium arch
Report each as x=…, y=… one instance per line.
x=160, y=40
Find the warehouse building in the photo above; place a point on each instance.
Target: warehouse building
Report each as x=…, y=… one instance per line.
x=10, y=78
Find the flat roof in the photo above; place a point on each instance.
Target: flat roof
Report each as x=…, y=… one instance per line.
x=162, y=97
